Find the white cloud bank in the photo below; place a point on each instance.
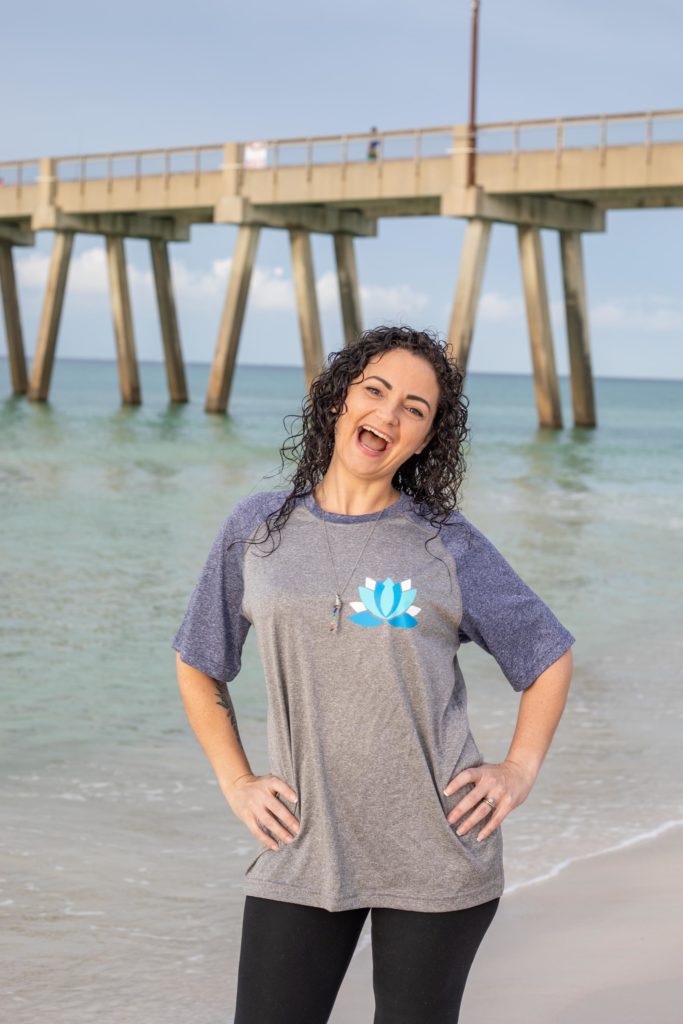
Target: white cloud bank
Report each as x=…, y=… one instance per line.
x=87, y=272
x=644, y=314
x=495, y=308
x=270, y=289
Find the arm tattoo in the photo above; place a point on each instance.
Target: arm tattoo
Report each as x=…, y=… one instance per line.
x=225, y=701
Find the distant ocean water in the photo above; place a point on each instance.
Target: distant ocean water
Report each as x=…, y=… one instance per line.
x=121, y=864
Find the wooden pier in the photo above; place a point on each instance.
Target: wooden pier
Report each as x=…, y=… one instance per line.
x=558, y=174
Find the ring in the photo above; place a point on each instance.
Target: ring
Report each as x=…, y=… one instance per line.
x=490, y=801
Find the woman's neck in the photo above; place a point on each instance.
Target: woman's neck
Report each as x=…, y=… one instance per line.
x=354, y=498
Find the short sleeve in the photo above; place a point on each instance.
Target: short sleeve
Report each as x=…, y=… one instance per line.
x=503, y=615
x=213, y=630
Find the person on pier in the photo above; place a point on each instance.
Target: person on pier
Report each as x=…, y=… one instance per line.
x=362, y=579
x=373, y=145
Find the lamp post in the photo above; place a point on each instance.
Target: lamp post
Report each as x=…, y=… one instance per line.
x=472, y=127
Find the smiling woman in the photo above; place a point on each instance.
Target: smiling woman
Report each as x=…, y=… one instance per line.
x=397, y=384
x=369, y=739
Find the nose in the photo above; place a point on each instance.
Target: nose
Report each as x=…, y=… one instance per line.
x=389, y=414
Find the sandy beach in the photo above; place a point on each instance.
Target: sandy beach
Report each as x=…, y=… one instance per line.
x=600, y=943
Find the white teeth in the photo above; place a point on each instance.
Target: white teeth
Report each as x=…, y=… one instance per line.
x=376, y=433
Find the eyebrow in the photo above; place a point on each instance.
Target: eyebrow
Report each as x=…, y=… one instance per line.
x=415, y=398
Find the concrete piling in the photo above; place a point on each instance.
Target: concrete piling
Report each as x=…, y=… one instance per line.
x=223, y=366
x=129, y=381
x=168, y=320
x=468, y=288
x=43, y=359
x=349, y=292
x=583, y=399
x=307, y=304
x=10, y=304
x=540, y=331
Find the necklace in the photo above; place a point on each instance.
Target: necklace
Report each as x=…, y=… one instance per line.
x=336, y=607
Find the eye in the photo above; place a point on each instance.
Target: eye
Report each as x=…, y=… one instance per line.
x=369, y=387
x=419, y=412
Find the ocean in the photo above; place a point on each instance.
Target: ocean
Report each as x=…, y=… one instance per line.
x=121, y=863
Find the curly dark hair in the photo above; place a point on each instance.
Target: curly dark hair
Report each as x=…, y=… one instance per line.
x=433, y=477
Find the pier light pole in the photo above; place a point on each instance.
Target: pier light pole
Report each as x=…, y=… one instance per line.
x=472, y=127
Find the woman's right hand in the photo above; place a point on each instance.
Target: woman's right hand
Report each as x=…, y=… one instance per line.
x=253, y=798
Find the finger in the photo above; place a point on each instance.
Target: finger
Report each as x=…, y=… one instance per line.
x=461, y=779
x=490, y=826
x=275, y=825
x=262, y=837
x=481, y=811
x=469, y=801
x=283, y=814
x=277, y=785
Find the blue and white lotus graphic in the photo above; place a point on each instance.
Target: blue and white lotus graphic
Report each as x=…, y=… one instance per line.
x=385, y=603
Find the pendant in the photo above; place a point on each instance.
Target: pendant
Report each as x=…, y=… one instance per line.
x=336, y=608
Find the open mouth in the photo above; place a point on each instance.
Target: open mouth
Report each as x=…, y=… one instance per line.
x=371, y=442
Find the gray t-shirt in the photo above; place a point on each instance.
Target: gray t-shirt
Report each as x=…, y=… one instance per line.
x=368, y=724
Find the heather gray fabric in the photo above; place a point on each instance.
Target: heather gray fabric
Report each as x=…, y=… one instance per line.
x=368, y=724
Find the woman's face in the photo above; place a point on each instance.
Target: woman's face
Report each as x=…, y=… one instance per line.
x=397, y=393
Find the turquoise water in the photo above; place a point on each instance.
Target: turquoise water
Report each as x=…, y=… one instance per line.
x=121, y=862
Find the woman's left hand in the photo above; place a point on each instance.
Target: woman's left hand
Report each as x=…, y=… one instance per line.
x=507, y=783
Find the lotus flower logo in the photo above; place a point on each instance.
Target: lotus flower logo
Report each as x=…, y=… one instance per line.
x=385, y=602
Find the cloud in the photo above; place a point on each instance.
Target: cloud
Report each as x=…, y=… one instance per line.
x=644, y=314
x=497, y=308
x=32, y=270
x=87, y=273
x=392, y=301
x=200, y=284
x=271, y=290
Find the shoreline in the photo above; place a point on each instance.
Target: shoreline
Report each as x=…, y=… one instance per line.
x=299, y=368
x=597, y=943
x=623, y=844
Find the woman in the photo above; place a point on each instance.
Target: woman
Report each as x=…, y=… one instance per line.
x=361, y=581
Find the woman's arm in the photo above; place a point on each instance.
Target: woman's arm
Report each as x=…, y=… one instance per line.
x=253, y=798
x=510, y=782
x=216, y=729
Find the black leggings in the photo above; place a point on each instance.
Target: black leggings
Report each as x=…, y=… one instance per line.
x=293, y=959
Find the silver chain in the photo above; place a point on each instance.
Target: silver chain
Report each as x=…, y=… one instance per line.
x=336, y=608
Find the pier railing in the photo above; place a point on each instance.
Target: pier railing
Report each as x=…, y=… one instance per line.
x=598, y=132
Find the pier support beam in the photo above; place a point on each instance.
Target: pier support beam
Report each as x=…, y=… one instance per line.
x=583, y=399
x=123, y=322
x=468, y=288
x=307, y=304
x=540, y=331
x=10, y=303
x=349, y=292
x=43, y=359
x=170, y=335
x=223, y=366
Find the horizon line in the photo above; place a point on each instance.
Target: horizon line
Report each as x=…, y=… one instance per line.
x=292, y=366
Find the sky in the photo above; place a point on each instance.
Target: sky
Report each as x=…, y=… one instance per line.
x=89, y=78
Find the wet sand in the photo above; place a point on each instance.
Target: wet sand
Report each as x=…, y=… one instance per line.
x=598, y=944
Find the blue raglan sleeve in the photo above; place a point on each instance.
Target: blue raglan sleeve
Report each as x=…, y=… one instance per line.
x=501, y=613
x=214, y=628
